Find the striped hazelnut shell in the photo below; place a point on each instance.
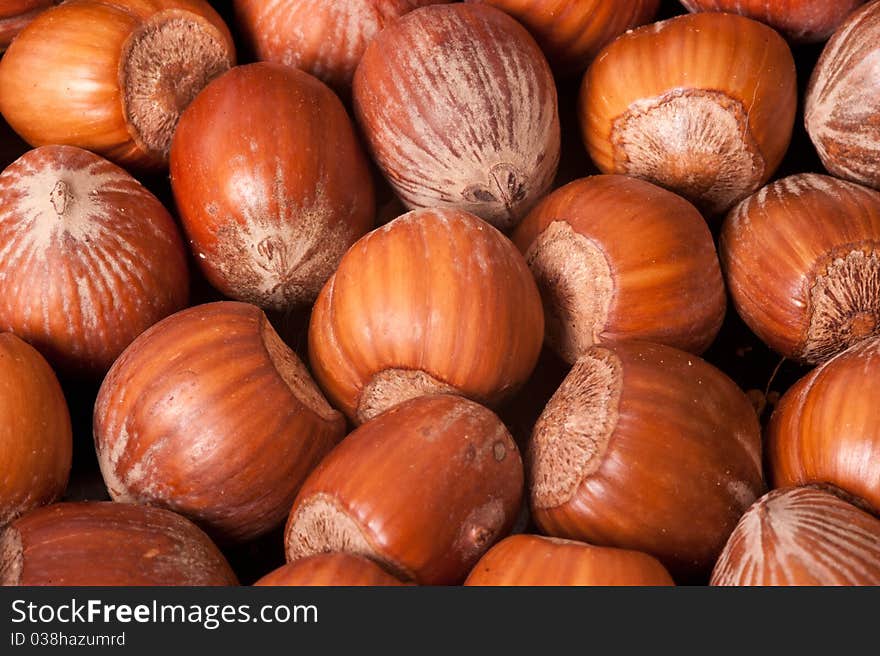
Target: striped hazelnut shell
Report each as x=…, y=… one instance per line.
x=459, y=108
x=619, y=258
x=842, y=106
x=648, y=448
x=802, y=262
x=271, y=183
x=324, y=39
x=423, y=489
x=90, y=258
x=100, y=543
x=211, y=415
x=533, y=560
x=572, y=32
x=330, y=569
x=801, y=536
x=435, y=301
x=112, y=76
x=826, y=428
x=802, y=21
x=35, y=433
x=15, y=16
x=701, y=104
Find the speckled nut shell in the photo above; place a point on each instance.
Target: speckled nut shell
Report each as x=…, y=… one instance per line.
x=701, y=104
x=842, y=107
x=801, y=536
x=802, y=261
x=458, y=106
x=619, y=258
x=434, y=301
x=112, y=76
x=648, y=448
x=271, y=183
x=826, y=428
x=424, y=489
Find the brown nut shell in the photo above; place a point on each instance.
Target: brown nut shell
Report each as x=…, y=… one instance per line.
x=211, y=415
x=435, y=301
x=572, y=32
x=802, y=260
x=532, y=560
x=700, y=104
x=330, y=569
x=618, y=258
x=842, y=106
x=15, y=16
x=458, y=106
x=648, y=448
x=271, y=183
x=35, y=432
x=826, y=428
x=112, y=76
x=801, y=536
x=325, y=39
x=802, y=21
x=90, y=258
x=423, y=489
x=109, y=544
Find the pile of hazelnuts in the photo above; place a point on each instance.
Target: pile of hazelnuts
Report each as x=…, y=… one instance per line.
x=369, y=314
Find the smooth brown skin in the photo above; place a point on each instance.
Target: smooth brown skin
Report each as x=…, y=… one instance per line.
x=113, y=264
x=109, y=544
x=60, y=79
x=572, y=32
x=667, y=281
x=682, y=464
x=842, y=105
x=803, y=21
x=330, y=569
x=271, y=184
x=35, y=432
x=16, y=14
x=325, y=39
x=778, y=241
x=437, y=291
x=826, y=429
x=459, y=108
x=743, y=59
x=457, y=487
x=196, y=417
x=801, y=536
x=533, y=560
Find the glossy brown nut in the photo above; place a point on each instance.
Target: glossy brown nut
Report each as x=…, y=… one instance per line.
x=804, y=21
x=112, y=77
x=325, y=39
x=271, y=183
x=15, y=16
x=802, y=260
x=532, y=560
x=211, y=415
x=826, y=428
x=648, y=448
x=435, y=301
x=89, y=258
x=700, y=104
x=802, y=536
x=618, y=258
x=35, y=433
x=109, y=544
x=458, y=106
x=457, y=487
x=572, y=32
x=842, y=106
x=330, y=569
